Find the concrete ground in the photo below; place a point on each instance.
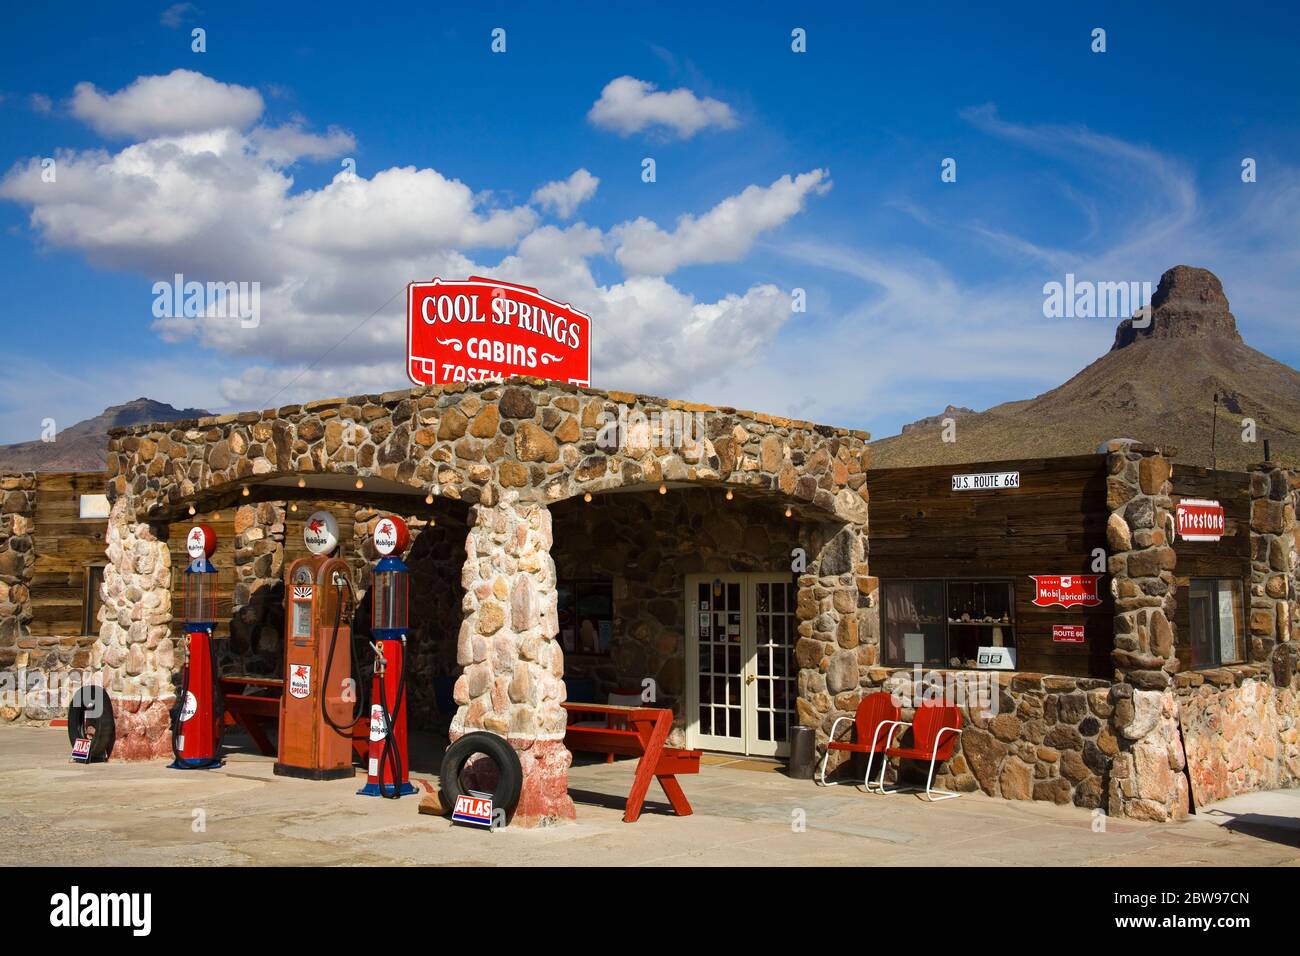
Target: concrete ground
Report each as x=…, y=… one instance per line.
x=746, y=814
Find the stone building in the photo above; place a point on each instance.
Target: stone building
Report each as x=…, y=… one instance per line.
x=575, y=542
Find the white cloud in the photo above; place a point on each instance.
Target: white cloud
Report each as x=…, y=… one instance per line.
x=216, y=205
x=290, y=142
x=723, y=234
x=175, y=16
x=41, y=104
x=564, y=196
x=180, y=102
x=628, y=105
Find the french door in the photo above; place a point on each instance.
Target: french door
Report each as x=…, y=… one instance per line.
x=741, y=680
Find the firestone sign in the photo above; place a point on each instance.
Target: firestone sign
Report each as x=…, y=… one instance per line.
x=484, y=329
x=1067, y=590
x=1200, y=520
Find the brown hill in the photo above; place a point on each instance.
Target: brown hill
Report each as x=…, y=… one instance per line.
x=1156, y=384
x=84, y=446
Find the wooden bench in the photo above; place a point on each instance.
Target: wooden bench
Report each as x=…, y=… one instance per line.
x=251, y=710
x=644, y=736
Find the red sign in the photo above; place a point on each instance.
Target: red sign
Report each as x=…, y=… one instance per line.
x=473, y=809
x=1200, y=520
x=1067, y=633
x=483, y=328
x=1067, y=590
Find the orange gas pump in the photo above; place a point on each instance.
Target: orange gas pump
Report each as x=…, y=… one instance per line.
x=316, y=714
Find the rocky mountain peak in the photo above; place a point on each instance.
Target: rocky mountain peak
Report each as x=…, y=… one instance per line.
x=1188, y=303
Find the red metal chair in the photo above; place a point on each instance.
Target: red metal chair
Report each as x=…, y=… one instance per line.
x=935, y=730
x=874, y=724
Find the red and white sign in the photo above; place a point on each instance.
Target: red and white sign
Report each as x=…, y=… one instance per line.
x=81, y=750
x=1067, y=633
x=300, y=681
x=1200, y=520
x=321, y=533
x=201, y=542
x=473, y=809
x=1067, y=590
x=391, y=536
x=484, y=328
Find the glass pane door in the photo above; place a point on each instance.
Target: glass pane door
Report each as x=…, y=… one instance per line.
x=716, y=618
x=771, y=678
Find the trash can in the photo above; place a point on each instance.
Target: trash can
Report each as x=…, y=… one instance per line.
x=803, y=753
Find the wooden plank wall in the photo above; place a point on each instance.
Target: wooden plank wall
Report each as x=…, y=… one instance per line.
x=64, y=544
x=921, y=528
x=1229, y=557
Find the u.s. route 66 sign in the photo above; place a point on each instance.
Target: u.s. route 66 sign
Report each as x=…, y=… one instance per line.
x=484, y=328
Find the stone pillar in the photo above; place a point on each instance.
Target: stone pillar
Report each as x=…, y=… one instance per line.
x=1147, y=779
x=135, y=653
x=511, y=685
x=17, y=503
x=1273, y=569
x=839, y=632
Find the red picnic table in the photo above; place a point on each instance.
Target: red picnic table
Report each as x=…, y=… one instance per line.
x=637, y=732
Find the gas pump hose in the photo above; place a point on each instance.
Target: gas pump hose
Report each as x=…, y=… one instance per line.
x=345, y=730
x=391, y=752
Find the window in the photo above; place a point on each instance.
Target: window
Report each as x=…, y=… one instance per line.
x=1215, y=617
x=586, y=613
x=90, y=599
x=944, y=623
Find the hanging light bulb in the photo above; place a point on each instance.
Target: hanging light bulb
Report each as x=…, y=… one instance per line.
x=216, y=516
x=587, y=496
x=360, y=484
x=788, y=511
x=428, y=499
x=191, y=509
x=245, y=492
x=663, y=489
x=302, y=482
x=729, y=494
x=293, y=506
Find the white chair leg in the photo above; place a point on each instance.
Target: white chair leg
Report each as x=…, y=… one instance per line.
x=825, y=761
x=871, y=757
x=934, y=796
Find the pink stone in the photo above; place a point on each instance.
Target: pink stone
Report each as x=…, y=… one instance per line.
x=545, y=799
x=138, y=748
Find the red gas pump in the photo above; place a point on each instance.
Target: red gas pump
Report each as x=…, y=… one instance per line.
x=387, y=774
x=196, y=727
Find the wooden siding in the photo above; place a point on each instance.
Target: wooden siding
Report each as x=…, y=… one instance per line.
x=921, y=528
x=64, y=544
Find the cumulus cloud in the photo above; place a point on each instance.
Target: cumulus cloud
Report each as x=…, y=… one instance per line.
x=291, y=142
x=175, y=16
x=183, y=101
x=216, y=205
x=723, y=234
x=564, y=196
x=628, y=105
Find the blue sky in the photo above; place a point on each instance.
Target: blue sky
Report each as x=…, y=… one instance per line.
x=817, y=171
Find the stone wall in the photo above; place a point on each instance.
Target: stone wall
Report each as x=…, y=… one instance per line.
x=1241, y=724
x=1147, y=777
x=17, y=505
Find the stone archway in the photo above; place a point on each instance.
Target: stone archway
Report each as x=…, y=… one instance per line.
x=508, y=450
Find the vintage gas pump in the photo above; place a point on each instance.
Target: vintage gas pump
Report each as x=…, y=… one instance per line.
x=196, y=723
x=390, y=602
x=316, y=713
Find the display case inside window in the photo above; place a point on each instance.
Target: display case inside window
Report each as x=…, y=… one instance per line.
x=915, y=622
x=945, y=623
x=980, y=614
x=586, y=616
x=1216, y=618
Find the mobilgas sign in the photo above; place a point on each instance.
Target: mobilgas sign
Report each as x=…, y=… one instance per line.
x=483, y=328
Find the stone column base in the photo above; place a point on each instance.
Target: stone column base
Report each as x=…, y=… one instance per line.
x=545, y=800
x=143, y=729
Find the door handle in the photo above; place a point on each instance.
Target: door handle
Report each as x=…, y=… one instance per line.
x=749, y=678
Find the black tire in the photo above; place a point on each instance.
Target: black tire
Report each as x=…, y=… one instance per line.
x=91, y=707
x=510, y=775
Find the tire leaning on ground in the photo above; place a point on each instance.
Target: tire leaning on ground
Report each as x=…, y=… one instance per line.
x=92, y=708
x=510, y=775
